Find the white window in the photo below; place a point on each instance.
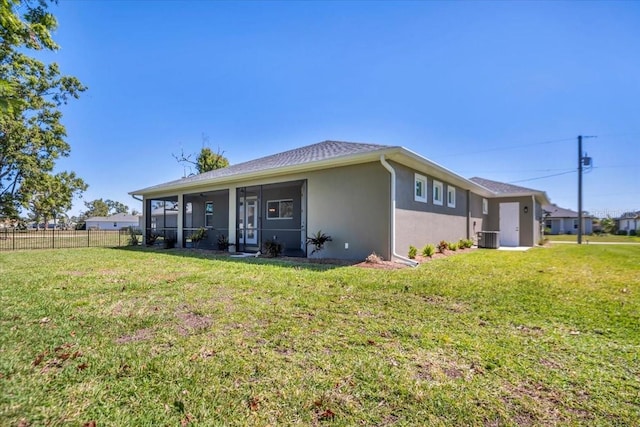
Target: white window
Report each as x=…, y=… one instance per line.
x=437, y=193
x=451, y=196
x=420, y=188
x=208, y=214
x=280, y=209
x=485, y=206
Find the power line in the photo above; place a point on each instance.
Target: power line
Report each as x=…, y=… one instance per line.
x=510, y=147
x=543, y=177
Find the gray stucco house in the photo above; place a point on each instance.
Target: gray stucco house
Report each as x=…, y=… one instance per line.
x=368, y=197
x=565, y=221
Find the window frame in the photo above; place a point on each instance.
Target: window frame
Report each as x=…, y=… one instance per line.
x=451, y=201
x=208, y=214
x=417, y=178
x=485, y=206
x=438, y=185
x=279, y=202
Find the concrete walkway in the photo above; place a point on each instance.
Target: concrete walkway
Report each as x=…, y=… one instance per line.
x=514, y=248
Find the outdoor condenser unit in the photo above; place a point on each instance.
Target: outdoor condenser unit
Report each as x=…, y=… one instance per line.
x=489, y=239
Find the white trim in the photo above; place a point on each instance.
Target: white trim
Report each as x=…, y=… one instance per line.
x=278, y=201
x=451, y=196
x=437, y=185
x=417, y=178
x=208, y=214
x=485, y=206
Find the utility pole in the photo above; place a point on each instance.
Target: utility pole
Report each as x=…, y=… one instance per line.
x=579, y=189
x=583, y=160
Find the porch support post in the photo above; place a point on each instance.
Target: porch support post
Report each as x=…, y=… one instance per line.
x=180, y=224
x=233, y=202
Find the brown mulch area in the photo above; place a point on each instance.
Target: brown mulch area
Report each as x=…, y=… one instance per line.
x=376, y=264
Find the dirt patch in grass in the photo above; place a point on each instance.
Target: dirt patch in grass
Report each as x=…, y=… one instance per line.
x=439, y=368
x=139, y=335
x=534, y=404
x=191, y=322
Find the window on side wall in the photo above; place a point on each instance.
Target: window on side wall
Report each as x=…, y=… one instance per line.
x=437, y=193
x=485, y=206
x=451, y=196
x=280, y=209
x=420, y=188
x=208, y=214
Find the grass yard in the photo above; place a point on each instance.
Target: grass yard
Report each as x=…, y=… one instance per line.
x=609, y=238
x=149, y=337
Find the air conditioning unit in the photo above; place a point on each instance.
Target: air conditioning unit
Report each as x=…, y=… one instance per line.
x=489, y=239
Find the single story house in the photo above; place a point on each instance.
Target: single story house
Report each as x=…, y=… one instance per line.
x=113, y=222
x=565, y=221
x=367, y=197
x=629, y=222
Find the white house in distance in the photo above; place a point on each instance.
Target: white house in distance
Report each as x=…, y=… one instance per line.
x=629, y=222
x=565, y=221
x=113, y=222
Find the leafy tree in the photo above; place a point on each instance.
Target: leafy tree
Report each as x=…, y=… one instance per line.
x=32, y=137
x=116, y=207
x=50, y=195
x=107, y=207
x=608, y=225
x=96, y=207
x=207, y=160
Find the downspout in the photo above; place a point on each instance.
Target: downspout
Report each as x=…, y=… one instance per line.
x=468, y=214
x=392, y=172
x=533, y=214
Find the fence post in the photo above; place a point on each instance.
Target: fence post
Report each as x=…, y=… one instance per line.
x=53, y=236
x=13, y=242
x=88, y=238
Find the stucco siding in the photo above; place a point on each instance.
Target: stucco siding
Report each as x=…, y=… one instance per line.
x=420, y=228
x=352, y=204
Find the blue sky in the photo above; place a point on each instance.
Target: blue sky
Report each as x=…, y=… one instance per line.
x=479, y=87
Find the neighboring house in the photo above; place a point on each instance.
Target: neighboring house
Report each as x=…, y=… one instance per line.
x=113, y=222
x=369, y=198
x=565, y=221
x=629, y=221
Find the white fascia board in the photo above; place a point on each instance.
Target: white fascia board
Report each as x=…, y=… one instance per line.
x=429, y=167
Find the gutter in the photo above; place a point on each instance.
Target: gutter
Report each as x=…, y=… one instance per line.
x=392, y=172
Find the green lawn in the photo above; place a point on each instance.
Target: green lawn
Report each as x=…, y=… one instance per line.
x=594, y=238
x=149, y=337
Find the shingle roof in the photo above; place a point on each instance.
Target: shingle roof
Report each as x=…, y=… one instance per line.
x=502, y=188
x=558, y=212
x=630, y=215
x=311, y=153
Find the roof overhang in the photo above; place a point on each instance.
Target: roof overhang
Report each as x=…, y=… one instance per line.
x=399, y=155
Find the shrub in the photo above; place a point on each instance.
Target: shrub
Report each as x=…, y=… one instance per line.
x=622, y=232
x=632, y=232
x=413, y=251
x=428, y=250
x=465, y=243
x=133, y=237
x=197, y=236
x=272, y=248
x=151, y=238
x=443, y=246
x=223, y=242
x=374, y=258
x=318, y=240
x=453, y=246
